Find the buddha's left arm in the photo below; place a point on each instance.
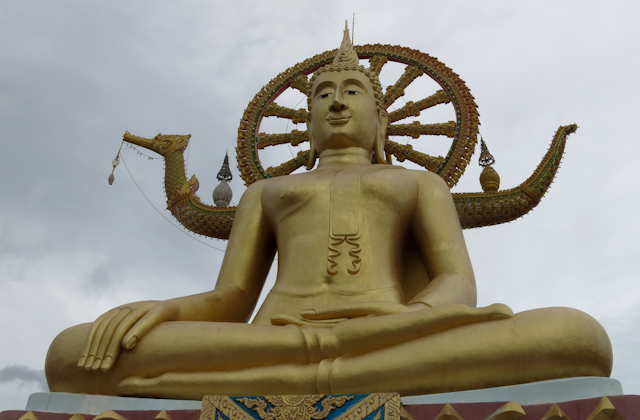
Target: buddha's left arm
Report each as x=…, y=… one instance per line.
x=437, y=232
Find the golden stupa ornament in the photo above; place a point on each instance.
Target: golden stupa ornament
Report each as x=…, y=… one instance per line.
x=489, y=178
x=222, y=194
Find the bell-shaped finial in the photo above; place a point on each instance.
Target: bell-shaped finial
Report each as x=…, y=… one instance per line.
x=225, y=172
x=489, y=178
x=346, y=53
x=486, y=158
x=222, y=194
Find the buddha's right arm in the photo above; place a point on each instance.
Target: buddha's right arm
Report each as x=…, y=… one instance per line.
x=244, y=269
x=245, y=266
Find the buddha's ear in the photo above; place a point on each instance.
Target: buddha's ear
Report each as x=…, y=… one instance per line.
x=381, y=136
x=312, y=148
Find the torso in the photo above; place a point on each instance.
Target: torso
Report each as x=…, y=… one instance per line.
x=366, y=220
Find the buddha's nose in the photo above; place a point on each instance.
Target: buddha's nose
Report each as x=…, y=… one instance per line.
x=338, y=103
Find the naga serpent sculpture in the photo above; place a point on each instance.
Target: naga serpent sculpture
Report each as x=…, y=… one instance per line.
x=474, y=209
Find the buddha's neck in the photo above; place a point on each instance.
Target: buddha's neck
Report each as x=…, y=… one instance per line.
x=344, y=156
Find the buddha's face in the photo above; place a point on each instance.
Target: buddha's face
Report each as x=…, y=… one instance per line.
x=343, y=111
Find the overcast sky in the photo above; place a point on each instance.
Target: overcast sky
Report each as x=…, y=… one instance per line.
x=74, y=76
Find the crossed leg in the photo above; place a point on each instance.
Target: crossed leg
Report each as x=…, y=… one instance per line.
x=240, y=359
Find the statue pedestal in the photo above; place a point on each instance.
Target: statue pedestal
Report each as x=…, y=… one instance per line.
x=542, y=392
x=526, y=394
x=575, y=398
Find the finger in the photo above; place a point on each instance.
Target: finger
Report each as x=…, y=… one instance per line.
x=353, y=310
x=283, y=319
x=87, y=342
x=115, y=345
x=487, y=313
x=143, y=326
x=97, y=339
x=132, y=386
x=108, y=335
x=500, y=310
x=349, y=310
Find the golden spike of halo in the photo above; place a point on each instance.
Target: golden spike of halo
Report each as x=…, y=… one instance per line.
x=346, y=53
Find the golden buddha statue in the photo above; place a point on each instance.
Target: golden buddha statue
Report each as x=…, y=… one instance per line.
x=375, y=291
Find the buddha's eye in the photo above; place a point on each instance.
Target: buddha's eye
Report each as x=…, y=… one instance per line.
x=352, y=92
x=324, y=95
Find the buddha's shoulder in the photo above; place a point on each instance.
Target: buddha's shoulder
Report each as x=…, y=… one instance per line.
x=402, y=174
x=295, y=179
x=392, y=173
x=281, y=184
x=429, y=179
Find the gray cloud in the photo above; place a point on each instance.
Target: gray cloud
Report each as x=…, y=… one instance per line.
x=23, y=374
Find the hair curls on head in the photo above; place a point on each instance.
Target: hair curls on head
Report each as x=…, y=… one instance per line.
x=377, y=87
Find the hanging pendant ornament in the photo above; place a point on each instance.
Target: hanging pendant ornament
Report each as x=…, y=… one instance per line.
x=489, y=178
x=115, y=162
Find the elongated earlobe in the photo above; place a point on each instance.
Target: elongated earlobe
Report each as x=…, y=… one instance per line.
x=379, y=149
x=313, y=155
x=381, y=137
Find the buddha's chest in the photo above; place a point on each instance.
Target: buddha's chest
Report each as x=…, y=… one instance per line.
x=284, y=199
x=341, y=199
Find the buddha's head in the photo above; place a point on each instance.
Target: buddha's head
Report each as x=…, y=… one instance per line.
x=346, y=107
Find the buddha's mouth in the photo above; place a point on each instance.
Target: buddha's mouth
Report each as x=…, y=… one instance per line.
x=337, y=120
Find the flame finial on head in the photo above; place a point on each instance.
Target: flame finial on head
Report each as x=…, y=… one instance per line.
x=347, y=60
x=346, y=53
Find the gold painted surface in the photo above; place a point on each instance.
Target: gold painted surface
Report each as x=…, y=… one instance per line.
x=293, y=407
x=474, y=209
x=555, y=413
x=375, y=291
x=212, y=404
x=454, y=92
x=29, y=415
x=109, y=415
x=294, y=138
x=448, y=413
x=404, y=414
x=605, y=411
x=163, y=415
x=510, y=411
x=303, y=407
x=489, y=179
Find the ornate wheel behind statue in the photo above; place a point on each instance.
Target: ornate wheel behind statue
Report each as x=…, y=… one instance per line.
x=462, y=132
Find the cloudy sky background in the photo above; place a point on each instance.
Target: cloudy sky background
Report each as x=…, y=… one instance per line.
x=74, y=76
